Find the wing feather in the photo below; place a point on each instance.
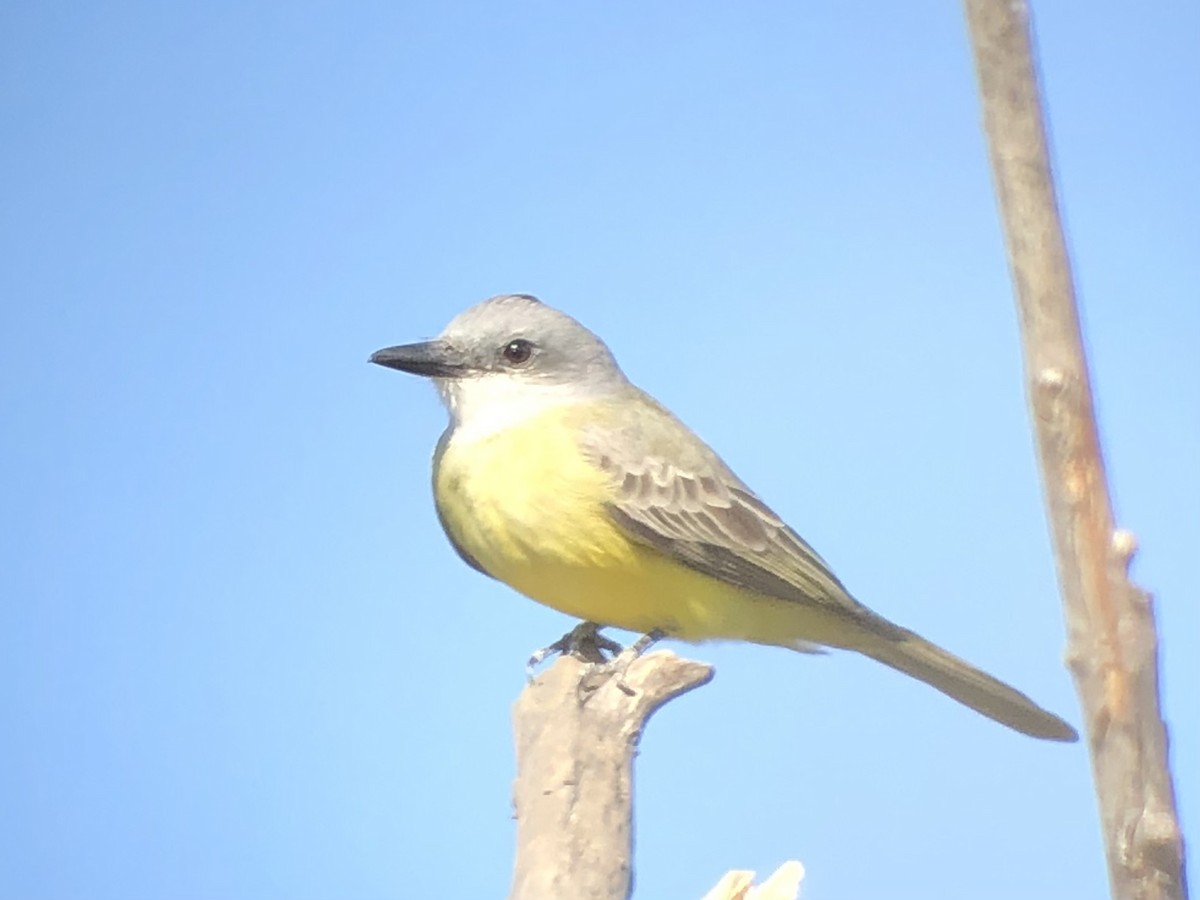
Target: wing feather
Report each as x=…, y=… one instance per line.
x=706, y=518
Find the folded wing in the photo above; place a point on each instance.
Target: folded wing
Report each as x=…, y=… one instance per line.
x=709, y=520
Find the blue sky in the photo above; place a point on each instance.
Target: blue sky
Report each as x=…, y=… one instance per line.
x=237, y=657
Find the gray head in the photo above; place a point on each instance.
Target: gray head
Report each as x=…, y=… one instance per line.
x=511, y=350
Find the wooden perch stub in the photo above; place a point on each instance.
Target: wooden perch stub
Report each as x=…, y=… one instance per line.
x=576, y=736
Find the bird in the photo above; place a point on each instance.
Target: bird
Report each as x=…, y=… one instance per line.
x=559, y=477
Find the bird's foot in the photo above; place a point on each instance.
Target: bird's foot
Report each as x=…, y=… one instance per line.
x=620, y=663
x=584, y=641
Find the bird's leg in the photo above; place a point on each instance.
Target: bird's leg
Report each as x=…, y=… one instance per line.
x=642, y=644
x=620, y=664
x=584, y=641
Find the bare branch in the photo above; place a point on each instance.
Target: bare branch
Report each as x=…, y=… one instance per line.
x=782, y=884
x=1112, y=643
x=573, y=794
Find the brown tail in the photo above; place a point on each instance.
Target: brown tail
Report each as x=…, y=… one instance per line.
x=913, y=655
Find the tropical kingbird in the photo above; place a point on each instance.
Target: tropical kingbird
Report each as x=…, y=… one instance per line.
x=560, y=478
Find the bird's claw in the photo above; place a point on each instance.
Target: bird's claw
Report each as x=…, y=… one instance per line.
x=616, y=667
x=584, y=641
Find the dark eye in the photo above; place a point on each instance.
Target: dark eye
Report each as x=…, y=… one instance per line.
x=517, y=352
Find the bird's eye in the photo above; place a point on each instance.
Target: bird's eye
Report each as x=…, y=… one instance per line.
x=517, y=352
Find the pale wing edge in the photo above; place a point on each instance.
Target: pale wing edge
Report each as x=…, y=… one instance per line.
x=723, y=530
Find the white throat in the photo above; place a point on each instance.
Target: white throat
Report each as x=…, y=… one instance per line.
x=483, y=405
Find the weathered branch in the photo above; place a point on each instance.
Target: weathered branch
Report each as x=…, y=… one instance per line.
x=573, y=795
x=782, y=884
x=1112, y=643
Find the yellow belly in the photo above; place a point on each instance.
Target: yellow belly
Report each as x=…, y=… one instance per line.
x=530, y=509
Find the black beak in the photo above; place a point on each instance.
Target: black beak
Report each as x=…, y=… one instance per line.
x=433, y=359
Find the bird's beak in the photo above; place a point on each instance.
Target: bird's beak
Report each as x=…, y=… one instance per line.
x=433, y=359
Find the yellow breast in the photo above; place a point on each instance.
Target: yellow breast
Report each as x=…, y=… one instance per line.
x=527, y=505
x=526, y=495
